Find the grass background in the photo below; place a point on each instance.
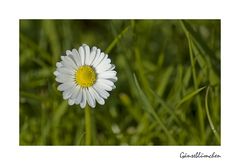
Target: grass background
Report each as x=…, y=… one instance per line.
x=168, y=88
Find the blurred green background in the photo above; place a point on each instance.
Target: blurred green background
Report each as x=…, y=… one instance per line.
x=168, y=88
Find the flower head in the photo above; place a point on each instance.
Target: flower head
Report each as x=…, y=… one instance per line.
x=85, y=76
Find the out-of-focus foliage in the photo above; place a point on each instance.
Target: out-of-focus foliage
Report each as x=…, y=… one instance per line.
x=165, y=68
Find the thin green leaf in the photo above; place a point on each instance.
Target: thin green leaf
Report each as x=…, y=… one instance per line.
x=32, y=96
x=38, y=51
x=51, y=32
x=165, y=105
x=116, y=40
x=196, y=82
x=60, y=110
x=140, y=72
x=209, y=117
x=163, y=80
x=189, y=96
x=149, y=108
x=197, y=39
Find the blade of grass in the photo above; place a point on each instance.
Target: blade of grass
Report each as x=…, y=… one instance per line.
x=197, y=38
x=116, y=40
x=149, y=108
x=163, y=80
x=27, y=42
x=201, y=44
x=200, y=109
x=174, y=93
x=127, y=102
x=165, y=105
x=59, y=112
x=140, y=72
x=186, y=79
x=52, y=34
x=209, y=117
x=199, y=105
x=189, y=96
x=32, y=96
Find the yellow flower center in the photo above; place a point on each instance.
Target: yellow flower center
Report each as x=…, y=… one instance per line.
x=85, y=76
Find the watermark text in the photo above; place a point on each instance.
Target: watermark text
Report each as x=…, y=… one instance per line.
x=184, y=155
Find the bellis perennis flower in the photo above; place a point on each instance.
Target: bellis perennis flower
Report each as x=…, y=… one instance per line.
x=85, y=76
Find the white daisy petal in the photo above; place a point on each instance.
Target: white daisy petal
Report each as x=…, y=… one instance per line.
x=61, y=79
x=75, y=92
x=103, y=68
x=98, y=52
x=67, y=62
x=93, y=97
x=56, y=73
x=104, y=61
x=112, y=67
x=83, y=101
x=82, y=54
x=104, y=86
x=76, y=57
x=68, y=52
x=91, y=101
x=64, y=70
x=79, y=96
x=59, y=64
x=99, y=99
x=107, y=74
x=64, y=86
x=68, y=93
x=70, y=60
x=104, y=94
x=105, y=81
x=98, y=60
x=92, y=55
x=87, y=54
x=70, y=102
x=113, y=79
x=66, y=77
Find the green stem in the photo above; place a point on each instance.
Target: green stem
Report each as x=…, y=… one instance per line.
x=88, y=139
x=209, y=117
x=200, y=111
x=116, y=40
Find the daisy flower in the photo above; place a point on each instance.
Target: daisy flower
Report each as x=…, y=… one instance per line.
x=85, y=76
